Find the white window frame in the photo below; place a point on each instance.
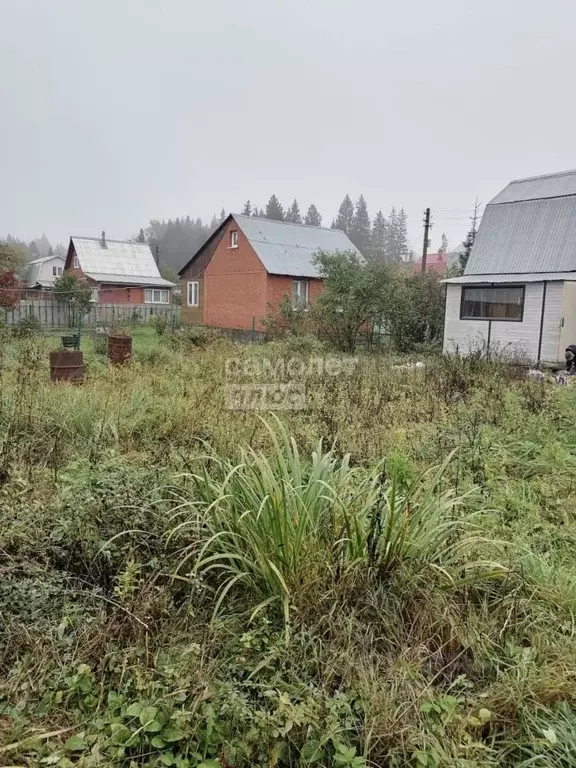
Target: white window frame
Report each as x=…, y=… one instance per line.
x=156, y=296
x=76, y=262
x=59, y=271
x=234, y=238
x=54, y=271
x=193, y=293
x=300, y=289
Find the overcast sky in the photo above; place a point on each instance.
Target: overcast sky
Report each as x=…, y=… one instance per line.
x=117, y=111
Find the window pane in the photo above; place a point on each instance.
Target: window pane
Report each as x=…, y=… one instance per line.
x=493, y=303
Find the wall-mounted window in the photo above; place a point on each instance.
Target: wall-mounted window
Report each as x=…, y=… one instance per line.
x=76, y=262
x=59, y=271
x=156, y=296
x=503, y=302
x=193, y=294
x=234, y=238
x=300, y=293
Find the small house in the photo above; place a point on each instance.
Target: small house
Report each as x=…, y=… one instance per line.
x=119, y=272
x=518, y=292
x=248, y=265
x=41, y=273
x=435, y=262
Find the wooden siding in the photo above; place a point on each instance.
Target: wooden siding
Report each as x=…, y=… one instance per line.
x=508, y=337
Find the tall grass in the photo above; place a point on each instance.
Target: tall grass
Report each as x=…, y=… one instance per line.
x=279, y=524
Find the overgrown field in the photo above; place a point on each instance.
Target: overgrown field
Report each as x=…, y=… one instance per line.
x=384, y=578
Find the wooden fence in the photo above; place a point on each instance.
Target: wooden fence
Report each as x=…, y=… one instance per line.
x=51, y=314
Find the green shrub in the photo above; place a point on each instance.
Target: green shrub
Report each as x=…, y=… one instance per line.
x=27, y=326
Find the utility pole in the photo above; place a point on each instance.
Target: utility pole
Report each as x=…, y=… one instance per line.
x=427, y=228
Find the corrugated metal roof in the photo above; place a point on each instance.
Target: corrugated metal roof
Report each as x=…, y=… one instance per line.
x=528, y=236
x=538, y=187
x=133, y=260
x=288, y=249
x=42, y=259
x=101, y=277
x=516, y=277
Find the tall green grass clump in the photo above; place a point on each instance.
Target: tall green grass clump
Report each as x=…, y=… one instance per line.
x=282, y=526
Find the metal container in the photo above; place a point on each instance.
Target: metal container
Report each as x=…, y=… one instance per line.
x=67, y=365
x=119, y=349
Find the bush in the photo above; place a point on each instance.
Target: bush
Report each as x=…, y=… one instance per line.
x=159, y=323
x=27, y=326
x=193, y=336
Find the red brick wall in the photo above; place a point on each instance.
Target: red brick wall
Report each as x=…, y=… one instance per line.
x=234, y=285
x=113, y=294
x=195, y=271
x=278, y=285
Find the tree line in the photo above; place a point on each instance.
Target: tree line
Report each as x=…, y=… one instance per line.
x=381, y=239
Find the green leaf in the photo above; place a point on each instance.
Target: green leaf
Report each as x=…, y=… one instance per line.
x=134, y=710
x=75, y=743
x=173, y=733
x=153, y=726
x=158, y=742
x=311, y=751
x=168, y=759
x=147, y=715
x=210, y=764
x=119, y=734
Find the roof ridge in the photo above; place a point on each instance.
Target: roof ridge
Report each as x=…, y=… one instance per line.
x=544, y=176
x=290, y=223
x=108, y=240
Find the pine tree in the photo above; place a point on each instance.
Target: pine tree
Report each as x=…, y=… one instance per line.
x=247, y=210
x=396, y=247
x=345, y=216
x=444, y=246
x=402, y=235
x=378, y=238
x=470, y=237
x=222, y=214
x=274, y=209
x=313, y=218
x=361, y=230
x=141, y=237
x=293, y=213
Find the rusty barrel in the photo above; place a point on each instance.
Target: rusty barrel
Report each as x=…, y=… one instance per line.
x=66, y=365
x=119, y=349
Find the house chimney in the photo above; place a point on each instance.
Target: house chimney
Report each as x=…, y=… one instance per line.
x=103, y=240
x=157, y=255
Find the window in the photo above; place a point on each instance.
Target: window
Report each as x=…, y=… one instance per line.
x=193, y=294
x=59, y=271
x=300, y=293
x=234, y=239
x=94, y=296
x=76, y=262
x=491, y=303
x=54, y=271
x=156, y=296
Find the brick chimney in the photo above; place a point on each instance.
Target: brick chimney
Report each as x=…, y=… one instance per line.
x=103, y=240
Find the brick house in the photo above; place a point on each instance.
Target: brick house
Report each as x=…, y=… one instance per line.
x=250, y=263
x=435, y=262
x=119, y=272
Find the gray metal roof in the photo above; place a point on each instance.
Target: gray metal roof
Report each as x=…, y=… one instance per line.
x=517, y=277
x=117, y=260
x=288, y=249
x=102, y=277
x=42, y=259
x=529, y=227
x=538, y=187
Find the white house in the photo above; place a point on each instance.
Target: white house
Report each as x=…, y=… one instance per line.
x=518, y=291
x=42, y=273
